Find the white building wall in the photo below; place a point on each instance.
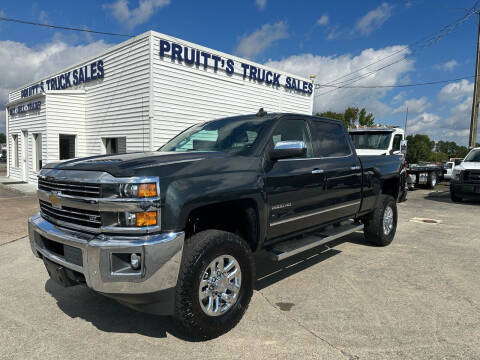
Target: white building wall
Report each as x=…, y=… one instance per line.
x=34, y=122
x=184, y=95
x=66, y=115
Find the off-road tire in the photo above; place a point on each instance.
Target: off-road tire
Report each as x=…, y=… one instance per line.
x=432, y=180
x=373, y=230
x=199, y=250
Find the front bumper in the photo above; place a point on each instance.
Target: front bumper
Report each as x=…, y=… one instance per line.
x=160, y=253
x=465, y=190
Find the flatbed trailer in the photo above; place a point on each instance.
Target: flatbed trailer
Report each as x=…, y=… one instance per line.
x=424, y=175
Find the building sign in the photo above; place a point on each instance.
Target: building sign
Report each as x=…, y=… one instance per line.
x=20, y=109
x=198, y=58
x=68, y=79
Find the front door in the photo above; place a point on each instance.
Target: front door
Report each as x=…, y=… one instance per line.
x=292, y=185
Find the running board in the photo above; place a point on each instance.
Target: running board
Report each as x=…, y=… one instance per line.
x=295, y=246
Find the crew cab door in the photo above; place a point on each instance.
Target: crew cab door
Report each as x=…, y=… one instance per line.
x=292, y=185
x=341, y=169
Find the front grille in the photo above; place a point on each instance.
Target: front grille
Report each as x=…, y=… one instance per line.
x=70, y=188
x=72, y=215
x=472, y=176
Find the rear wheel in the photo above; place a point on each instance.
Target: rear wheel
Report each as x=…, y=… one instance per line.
x=381, y=226
x=215, y=283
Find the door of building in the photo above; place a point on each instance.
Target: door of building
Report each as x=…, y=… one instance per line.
x=24, y=155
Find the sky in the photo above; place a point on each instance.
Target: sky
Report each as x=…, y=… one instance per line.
x=387, y=40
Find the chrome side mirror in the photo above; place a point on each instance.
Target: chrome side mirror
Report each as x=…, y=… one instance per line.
x=288, y=149
x=403, y=147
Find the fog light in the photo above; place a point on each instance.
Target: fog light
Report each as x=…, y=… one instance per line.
x=135, y=261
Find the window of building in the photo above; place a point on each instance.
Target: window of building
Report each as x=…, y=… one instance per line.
x=16, y=151
x=67, y=146
x=37, y=152
x=115, y=145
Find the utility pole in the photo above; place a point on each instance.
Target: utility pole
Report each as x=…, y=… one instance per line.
x=476, y=94
x=406, y=120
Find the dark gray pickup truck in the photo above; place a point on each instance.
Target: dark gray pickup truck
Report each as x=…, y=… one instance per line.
x=173, y=231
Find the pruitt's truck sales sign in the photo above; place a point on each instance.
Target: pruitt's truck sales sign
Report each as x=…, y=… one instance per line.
x=198, y=58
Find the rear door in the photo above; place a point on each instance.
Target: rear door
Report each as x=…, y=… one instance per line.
x=341, y=168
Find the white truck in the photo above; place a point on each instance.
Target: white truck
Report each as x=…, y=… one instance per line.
x=378, y=140
x=382, y=140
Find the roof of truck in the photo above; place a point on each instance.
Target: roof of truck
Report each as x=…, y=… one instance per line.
x=382, y=129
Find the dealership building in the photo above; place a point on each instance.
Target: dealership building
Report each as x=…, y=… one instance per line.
x=136, y=96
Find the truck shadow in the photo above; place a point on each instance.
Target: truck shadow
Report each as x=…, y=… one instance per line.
x=444, y=197
x=110, y=316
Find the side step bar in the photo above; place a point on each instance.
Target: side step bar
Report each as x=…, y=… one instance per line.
x=292, y=247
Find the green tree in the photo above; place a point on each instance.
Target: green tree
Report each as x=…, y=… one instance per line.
x=3, y=139
x=439, y=157
x=365, y=119
x=420, y=148
x=350, y=116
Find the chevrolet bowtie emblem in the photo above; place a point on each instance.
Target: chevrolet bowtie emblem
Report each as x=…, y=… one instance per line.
x=54, y=200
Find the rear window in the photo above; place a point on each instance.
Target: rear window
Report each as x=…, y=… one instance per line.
x=330, y=140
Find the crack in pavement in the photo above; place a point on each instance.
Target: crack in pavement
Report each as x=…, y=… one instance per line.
x=341, y=351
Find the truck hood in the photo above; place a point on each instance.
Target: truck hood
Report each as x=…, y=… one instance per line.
x=467, y=165
x=142, y=163
x=371, y=152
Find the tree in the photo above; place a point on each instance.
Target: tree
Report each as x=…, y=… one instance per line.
x=364, y=119
x=420, y=148
x=3, y=139
x=350, y=116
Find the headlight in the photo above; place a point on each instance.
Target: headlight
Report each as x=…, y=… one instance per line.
x=130, y=219
x=138, y=190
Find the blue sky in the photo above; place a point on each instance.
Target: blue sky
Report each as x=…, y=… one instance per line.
x=329, y=39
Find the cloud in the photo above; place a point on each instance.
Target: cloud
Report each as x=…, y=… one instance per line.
x=323, y=20
x=399, y=97
x=254, y=44
x=261, y=4
x=422, y=123
x=43, y=17
x=21, y=64
x=138, y=15
x=374, y=19
x=415, y=106
x=447, y=66
x=456, y=90
x=328, y=68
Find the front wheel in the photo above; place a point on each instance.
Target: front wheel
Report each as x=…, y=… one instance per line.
x=381, y=226
x=454, y=197
x=215, y=283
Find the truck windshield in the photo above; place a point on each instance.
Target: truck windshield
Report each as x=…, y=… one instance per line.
x=473, y=156
x=226, y=135
x=371, y=140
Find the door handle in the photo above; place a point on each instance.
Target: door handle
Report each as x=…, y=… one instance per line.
x=317, y=171
x=356, y=167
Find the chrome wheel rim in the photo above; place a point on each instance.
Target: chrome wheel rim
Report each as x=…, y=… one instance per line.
x=387, y=220
x=434, y=179
x=220, y=285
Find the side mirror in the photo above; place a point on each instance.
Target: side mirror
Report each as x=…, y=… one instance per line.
x=288, y=149
x=403, y=147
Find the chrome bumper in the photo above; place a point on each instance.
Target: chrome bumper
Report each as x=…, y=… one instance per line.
x=161, y=255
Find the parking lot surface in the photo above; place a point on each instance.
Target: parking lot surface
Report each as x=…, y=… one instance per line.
x=418, y=298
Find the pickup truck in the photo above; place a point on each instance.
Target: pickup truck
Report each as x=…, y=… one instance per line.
x=465, y=180
x=173, y=231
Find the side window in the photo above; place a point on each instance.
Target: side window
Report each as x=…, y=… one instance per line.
x=329, y=139
x=396, y=142
x=293, y=130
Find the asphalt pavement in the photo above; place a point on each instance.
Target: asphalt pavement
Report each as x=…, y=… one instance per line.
x=418, y=298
